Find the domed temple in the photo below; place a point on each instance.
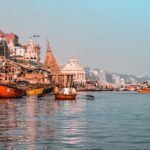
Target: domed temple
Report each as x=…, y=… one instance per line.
x=73, y=67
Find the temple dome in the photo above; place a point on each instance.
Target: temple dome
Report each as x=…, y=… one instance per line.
x=72, y=65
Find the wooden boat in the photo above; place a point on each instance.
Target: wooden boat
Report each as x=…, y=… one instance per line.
x=48, y=90
x=61, y=96
x=8, y=91
x=38, y=91
x=146, y=90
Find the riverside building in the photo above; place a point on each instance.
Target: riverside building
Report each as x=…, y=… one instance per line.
x=73, y=67
x=11, y=39
x=32, y=51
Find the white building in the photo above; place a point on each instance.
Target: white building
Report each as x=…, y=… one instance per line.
x=19, y=51
x=95, y=72
x=117, y=80
x=102, y=77
x=123, y=82
x=32, y=51
x=73, y=67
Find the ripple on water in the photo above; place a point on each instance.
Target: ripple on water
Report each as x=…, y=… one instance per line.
x=113, y=120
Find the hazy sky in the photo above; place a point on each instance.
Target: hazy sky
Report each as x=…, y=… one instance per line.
x=108, y=34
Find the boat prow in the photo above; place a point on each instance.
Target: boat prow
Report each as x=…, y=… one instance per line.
x=9, y=91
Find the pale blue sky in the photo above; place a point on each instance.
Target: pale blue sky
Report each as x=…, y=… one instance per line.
x=108, y=34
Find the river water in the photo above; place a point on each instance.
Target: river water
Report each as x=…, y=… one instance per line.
x=112, y=121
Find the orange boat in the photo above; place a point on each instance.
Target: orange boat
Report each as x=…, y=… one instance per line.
x=146, y=90
x=61, y=96
x=8, y=91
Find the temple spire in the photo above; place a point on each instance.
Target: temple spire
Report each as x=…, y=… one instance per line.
x=74, y=54
x=50, y=62
x=48, y=47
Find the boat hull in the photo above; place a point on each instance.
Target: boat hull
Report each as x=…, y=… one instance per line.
x=10, y=92
x=144, y=91
x=47, y=90
x=65, y=97
x=35, y=91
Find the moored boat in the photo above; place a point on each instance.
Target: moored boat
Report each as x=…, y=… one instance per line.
x=61, y=96
x=146, y=90
x=8, y=91
x=38, y=91
x=47, y=90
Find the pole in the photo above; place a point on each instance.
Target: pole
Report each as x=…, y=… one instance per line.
x=37, y=46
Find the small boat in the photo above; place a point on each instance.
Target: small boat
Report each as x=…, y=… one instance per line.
x=61, y=96
x=146, y=90
x=38, y=91
x=9, y=91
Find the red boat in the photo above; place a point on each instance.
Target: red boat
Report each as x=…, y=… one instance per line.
x=61, y=96
x=146, y=90
x=8, y=91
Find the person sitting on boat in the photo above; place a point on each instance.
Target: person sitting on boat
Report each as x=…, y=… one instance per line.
x=56, y=89
x=73, y=90
x=66, y=91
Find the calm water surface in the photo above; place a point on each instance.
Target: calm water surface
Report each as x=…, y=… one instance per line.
x=113, y=121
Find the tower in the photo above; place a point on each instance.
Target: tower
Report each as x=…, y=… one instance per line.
x=51, y=63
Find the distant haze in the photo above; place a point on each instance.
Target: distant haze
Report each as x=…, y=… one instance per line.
x=110, y=34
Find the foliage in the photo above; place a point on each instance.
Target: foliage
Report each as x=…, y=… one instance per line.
x=32, y=62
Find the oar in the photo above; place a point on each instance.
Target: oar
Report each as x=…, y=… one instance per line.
x=51, y=93
x=89, y=96
x=41, y=95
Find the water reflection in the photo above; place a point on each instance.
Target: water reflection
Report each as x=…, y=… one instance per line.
x=69, y=107
x=71, y=126
x=114, y=121
x=8, y=122
x=32, y=123
x=71, y=133
x=31, y=108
